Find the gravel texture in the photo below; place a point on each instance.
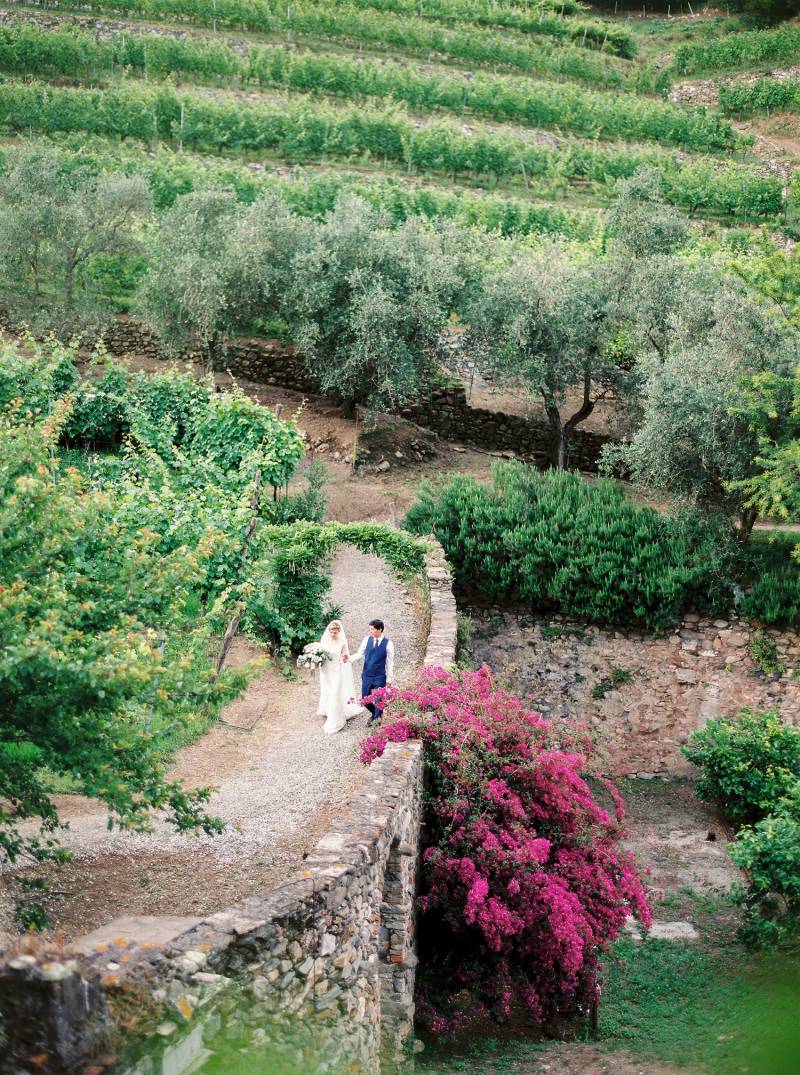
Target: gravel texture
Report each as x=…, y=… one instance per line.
x=279, y=784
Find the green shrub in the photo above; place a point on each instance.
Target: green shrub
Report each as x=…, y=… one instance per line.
x=552, y=540
x=774, y=597
x=232, y=426
x=99, y=416
x=747, y=763
x=618, y=677
x=769, y=852
x=764, y=651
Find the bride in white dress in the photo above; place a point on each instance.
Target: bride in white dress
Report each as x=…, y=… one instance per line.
x=337, y=691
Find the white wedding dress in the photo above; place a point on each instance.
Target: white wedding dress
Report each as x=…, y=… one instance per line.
x=338, y=700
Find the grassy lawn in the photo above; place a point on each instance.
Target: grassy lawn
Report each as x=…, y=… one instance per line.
x=704, y=1008
x=711, y=1008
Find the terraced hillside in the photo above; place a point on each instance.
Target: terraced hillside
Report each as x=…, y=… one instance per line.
x=512, y=115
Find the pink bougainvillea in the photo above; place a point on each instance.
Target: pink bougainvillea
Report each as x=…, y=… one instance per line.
x=524, y=883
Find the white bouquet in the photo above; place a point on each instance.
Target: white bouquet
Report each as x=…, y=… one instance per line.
x=313, y=656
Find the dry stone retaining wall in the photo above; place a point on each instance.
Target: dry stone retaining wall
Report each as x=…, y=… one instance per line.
x=702, y=669
x=320, y=970
x=445, y=410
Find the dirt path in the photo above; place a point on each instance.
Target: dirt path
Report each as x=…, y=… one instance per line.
x=279, y=784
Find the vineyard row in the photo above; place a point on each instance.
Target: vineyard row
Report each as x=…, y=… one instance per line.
x=170, y=174
x=407, y=34
x=765, y=95
x=537, y=19
x=27, y=50
x=740, y=51
x=306, y=132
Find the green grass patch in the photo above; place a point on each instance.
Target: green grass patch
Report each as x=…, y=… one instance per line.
x=718, y=1011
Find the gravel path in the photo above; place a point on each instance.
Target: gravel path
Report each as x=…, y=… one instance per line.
x=279, y=784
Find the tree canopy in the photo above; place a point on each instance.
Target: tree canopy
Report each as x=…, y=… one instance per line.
x=56, y=224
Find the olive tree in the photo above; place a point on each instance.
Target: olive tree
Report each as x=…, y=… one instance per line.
x=186, y=294
x=55, y=220
x=641, y=222
x=371, y=301
x=698, y=439
x=569, y=330
x=220, y=268
x=546, y=323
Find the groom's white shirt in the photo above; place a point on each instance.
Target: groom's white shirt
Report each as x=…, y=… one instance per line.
x=370, y=641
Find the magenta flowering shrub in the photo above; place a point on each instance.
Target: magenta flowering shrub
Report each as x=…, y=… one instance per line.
x=523, y=882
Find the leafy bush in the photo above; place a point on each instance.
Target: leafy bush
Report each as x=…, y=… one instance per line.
x=764, y=651
x=747, y=763
x=233, y=426
x=166, y=410
x=553, y=540
x=523, y=883
x=99, y=415
x=770, y=853
x=86, y=602
x=774, y=597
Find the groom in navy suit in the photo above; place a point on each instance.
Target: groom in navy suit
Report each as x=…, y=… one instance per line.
x=378, y=671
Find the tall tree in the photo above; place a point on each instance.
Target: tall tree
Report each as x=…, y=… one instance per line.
x=54, y=221
x=85, y=603
x=186, y=294
x=545, y=323
x=371, y=302
x=219, y=268
x=698, y=439
x=567, y=329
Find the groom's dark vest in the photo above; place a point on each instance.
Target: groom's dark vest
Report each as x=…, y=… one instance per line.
x=374, y=670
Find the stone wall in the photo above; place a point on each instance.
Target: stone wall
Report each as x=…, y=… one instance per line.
x=445, y=410
x=448, y=413
x=670, y=686
x=319, y=972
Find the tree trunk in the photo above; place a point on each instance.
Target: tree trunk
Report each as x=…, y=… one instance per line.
x=558, y=447
x=69, y=285
x=212, y=351
x=747, y=519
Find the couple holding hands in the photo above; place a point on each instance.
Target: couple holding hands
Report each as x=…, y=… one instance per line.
x=337, y=693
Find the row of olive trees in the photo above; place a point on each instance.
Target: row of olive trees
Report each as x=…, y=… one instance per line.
x=700, y=361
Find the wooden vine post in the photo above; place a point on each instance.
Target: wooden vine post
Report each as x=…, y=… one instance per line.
x=233, y=626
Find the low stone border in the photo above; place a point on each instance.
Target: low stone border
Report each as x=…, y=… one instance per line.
x=443, y=630
x=326, y=962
